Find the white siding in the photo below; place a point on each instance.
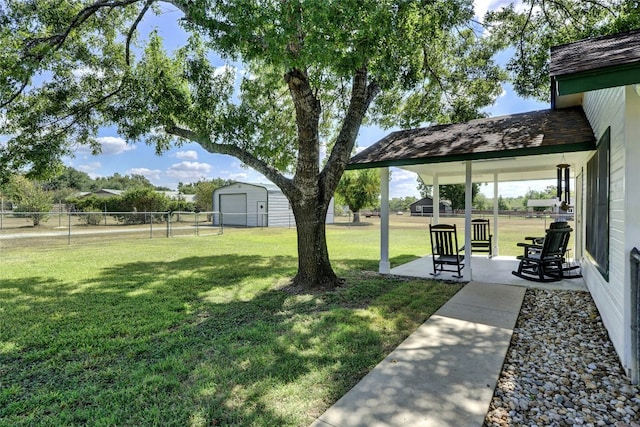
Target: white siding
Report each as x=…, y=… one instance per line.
x=330, y=212
x=254, y=194
x=631, y=221
x=605, y=108
x=280, y=214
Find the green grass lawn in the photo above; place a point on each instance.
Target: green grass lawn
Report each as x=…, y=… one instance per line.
x=197, y=331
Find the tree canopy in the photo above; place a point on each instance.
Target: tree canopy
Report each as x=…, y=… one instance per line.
x=359, y=189
x=533, y=29
x=298, y=79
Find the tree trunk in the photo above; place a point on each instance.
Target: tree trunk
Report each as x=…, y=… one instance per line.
x=314, y=268
x=356, y=217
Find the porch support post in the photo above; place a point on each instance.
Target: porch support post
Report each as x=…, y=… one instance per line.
x=385, y=265
x=436, y=200
x=468, y=275
x=495, y=214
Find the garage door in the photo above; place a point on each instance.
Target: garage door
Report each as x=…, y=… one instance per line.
x=234, y=209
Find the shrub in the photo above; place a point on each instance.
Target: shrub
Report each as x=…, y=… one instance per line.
x=91, y=216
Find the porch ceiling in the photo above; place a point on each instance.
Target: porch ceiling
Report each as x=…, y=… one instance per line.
x=518, y=147
x=509, y=169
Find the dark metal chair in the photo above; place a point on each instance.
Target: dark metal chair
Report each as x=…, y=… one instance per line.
x=481, y=237
x=445, y=251
x=544, y=263
x=535, y=243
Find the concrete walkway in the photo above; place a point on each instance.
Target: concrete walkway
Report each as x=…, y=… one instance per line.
x=445, y=373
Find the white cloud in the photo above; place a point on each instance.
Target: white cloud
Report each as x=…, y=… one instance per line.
x=403, y=190
x=482, y=6
x=90, y=169
x=150, y=174
x=403, y=183
x=240, y=176
x=111, y=145
x=403, y=175
x=224, y=69
x=114, y=145
x=85, y=71
x=187, y=155
x=189, y=171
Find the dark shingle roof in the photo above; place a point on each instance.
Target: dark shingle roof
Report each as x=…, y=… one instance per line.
x=537, y=132
x=595, y=53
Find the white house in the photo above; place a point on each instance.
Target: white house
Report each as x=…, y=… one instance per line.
x=603, y=76
x=254, y=205
x=594, y=127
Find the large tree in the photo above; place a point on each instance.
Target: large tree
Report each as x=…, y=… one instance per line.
x=311, y=73
x=30, y=199
x=359, y=189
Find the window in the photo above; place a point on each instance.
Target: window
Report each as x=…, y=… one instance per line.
x=597, y=212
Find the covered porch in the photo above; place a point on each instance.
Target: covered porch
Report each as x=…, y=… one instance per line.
x=486, y=270
x=526, y=146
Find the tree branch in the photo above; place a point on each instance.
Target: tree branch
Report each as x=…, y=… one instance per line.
x=285, y=184
x=133, y=28
x=362, y=95
x=14, y=95
x=83, y=109
x=522, y=32
x=55, y=41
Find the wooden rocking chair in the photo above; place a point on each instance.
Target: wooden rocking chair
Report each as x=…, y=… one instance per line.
x=481, y=237
x=444, y=249
x=544, y=263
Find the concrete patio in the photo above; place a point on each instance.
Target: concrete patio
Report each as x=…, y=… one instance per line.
x=488, y=270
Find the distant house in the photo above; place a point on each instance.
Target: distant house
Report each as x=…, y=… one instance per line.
x=103, y=192
x=176, y=195
x=425, y=207
x=542, y=204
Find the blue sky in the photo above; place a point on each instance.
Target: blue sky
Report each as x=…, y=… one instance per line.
x=190, y=163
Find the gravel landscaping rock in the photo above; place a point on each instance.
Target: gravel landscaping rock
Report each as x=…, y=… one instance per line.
x=561, y=368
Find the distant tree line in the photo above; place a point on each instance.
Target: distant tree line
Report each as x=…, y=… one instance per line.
x=34, y=199
x=455, y=194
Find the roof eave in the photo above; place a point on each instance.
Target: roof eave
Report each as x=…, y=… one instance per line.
x=585, y=81
x=529, y=151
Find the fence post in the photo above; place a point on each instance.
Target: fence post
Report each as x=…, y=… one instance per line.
x=168, y=224
x=69, y=233
x=197, y=229
x=150, y=225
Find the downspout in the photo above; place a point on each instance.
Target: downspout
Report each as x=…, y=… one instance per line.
x=635, y=316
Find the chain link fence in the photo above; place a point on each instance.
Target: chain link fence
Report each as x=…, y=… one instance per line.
x=21, y=228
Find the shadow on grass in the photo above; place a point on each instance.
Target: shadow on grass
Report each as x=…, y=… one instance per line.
x=197, y=341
